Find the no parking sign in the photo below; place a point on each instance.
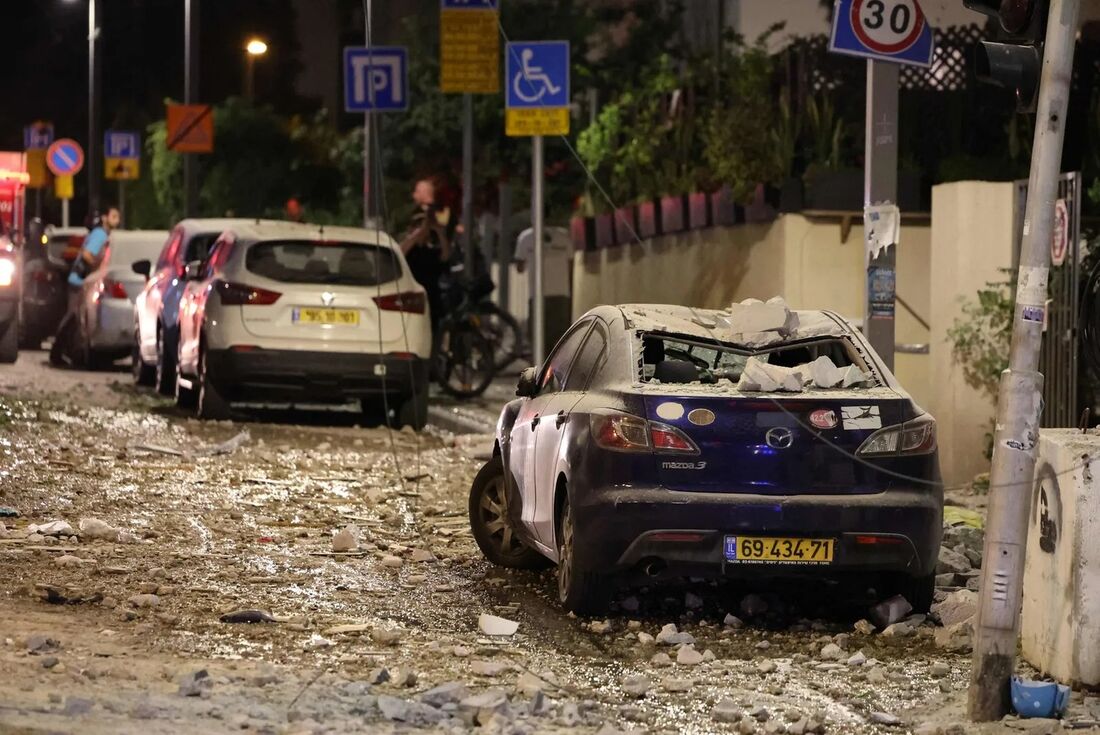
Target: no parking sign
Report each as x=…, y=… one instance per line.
x=887, y=30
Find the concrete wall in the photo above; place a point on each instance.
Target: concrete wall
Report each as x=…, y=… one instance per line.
x=972, y=240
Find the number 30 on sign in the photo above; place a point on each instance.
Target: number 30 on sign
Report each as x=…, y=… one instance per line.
x=887, y=30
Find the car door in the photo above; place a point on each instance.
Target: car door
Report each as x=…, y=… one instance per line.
x=152, y=296
x=192, y=308
x=549, y=457
x=551, y=381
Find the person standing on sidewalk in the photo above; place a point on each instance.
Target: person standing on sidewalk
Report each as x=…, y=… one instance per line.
x=90, y=257
x=427, y=246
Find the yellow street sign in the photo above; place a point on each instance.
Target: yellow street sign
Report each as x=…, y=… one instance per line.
x=36, y=168
x=469, y=55
x=122, y=169
x=526, y=121
x=63, y=187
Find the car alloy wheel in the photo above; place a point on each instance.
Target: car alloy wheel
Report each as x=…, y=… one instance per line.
x=494, y=512
x=565, y=556
x=579, y=591
x=491, y=525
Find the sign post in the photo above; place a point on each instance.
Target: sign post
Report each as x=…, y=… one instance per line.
x=122, y=158
x=65, y=158
x=886, y=33
x=537, y=104
x=469, y=64
x=375, y=80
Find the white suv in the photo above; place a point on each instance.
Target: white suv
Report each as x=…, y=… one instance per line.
x=306, y=314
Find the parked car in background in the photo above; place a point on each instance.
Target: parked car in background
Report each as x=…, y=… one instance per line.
x=304, y=314
x=46, y=266
x=155, y=330
x=10, y=286
x=106, y=321
x=663, y=441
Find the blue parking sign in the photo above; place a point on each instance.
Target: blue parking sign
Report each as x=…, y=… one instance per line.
x=122, y=144
x=886, y=30
x=537, y=74
x=468, y=4
x=376, y=79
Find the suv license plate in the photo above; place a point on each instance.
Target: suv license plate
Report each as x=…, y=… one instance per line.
x=348, y=317
x=778, y=550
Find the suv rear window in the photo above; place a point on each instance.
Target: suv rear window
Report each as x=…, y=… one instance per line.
x=342, y=263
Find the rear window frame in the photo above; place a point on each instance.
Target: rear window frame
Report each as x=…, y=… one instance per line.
x=246, y=249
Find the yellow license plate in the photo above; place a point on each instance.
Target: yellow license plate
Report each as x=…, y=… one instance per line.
x=348, y=317
x=773, y=550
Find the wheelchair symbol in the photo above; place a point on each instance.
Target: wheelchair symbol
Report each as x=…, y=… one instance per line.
x=527, y=77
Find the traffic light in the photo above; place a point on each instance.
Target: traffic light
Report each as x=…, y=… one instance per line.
x=1016, y=57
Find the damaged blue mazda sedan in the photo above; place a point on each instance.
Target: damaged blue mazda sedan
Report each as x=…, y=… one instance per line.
x=666, y=441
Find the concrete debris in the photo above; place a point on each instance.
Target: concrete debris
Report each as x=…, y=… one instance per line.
x=688, y=656
x=196, y=684
x=758, y=376
x=53, y=528
x=900, y=629
x=958, y=637
x=94, y=528
x=450, y=693
x=732, y=621
x=645, y=638
x=952, y=561
x=530, y=685
x=144, y=601
x=347, y=539
x=394, y=562
x=958, y=606
x=753, y=315
x=489, y=668
x=890, y=611
x=726, y=710
x=636, y=685
x=675, y=685
x=885, y=718
x=670, y=636
x=316, y=642
x=68, y=560
x=857, y=659
x=422, y=555
x=493, y=625
x=823, y=373
x=864, y=627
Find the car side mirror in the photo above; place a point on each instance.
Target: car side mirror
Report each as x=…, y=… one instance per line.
x=192, y=271
x=142, y=268
x=527, y=387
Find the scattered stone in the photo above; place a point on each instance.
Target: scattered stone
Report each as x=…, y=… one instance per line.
x=48, y=662
x=391, y=561
x=38, y=643
x=460, y=652
x=927, y=728
x=347, y=539
x=945, y=580
x=732, y=621
x=767, y=666
x=708, y=656
x=489, y=668
x=247, y=616
x=885, y=718
x=77, y=707
x=422, y=555
x=385, y=636
x=763, y=645
x=645, y=639
x=636, y=685
x=661, y=659
x=952, y=561
x=726, y=710
x=670, y=636
x=450, y=693
x=68, y=560
x=570, y=715
x=676, y=685
x=144, y=601
x=316, y=642
x=857, y=659
x=688, y=656
x=939, y=669
x=692, y=601
x=53, y=529
x=600, y=626
x=753, y=605
x=379, y=676
x=93, y=528
x=831, y=652
x=480, y=708
x=876, y=675
x=898, y=630
x=958, y=637
x=530, y=685
x=196, y=684
x=890, y=611
x=958, y=606
x=492, y=625
x=760, y=714
x=393, y=708
x=630, y=604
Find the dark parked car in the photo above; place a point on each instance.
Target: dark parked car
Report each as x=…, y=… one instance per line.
x=46, y=266
x=663, y=441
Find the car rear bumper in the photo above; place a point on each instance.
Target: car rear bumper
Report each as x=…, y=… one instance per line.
x=314, y=377
x=634, y=530
x=114, y=327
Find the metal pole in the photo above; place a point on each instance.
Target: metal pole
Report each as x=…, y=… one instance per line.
x=38, y=203
x=1019, y=403
x=504, y=245
x=468, y=180
x=64, y=212
x=93, y=112
x=538, y=316
x=880, y=185
x=190, y=97
x=250, y=77
x=368, y=189
x=121, y=203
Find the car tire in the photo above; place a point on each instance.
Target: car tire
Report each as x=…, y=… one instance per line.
x=374, y=412
x=9, y=342
x=166, y=365
x=579, y=591
x=490, y=525
x=413, y=411
x=186, y=398
x=209, y=403
x=919, y=591
x=144, y=373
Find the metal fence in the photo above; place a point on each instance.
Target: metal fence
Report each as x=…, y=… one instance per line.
x=1058, y=361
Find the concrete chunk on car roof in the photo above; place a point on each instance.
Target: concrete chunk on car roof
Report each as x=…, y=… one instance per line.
x=714, y=324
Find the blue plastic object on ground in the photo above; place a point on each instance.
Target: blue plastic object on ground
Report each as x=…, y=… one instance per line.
x=1039, y=698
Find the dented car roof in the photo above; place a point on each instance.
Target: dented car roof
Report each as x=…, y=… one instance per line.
x=722, y=325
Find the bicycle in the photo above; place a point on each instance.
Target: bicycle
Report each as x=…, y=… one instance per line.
x=465, y=357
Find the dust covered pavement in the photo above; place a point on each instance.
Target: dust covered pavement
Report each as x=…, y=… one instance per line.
x=122, y=622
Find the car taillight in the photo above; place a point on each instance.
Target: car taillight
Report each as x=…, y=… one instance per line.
x=913, y=437
x=413, y=302
x=236, y=294
x=622, y=432
x=112, y=289
x=7, y=271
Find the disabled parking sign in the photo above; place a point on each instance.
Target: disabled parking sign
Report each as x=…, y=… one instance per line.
x=885, y=30
x=537, y=96
x=376, y=79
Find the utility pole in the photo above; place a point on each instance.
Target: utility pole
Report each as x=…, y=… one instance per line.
x=468, y=181
x=880, y=185
x=1019, y=403
x=538, y=317
x=190, y=97
x=94, y=85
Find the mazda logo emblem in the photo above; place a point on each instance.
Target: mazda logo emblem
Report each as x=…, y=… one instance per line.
x=327, y=298
x=779, y=438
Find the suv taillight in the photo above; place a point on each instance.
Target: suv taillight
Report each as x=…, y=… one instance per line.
x=622, y=432
x=413, y=302
x=236, y=294
x=913, y=437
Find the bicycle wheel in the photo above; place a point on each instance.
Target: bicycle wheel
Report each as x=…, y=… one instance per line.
x=503, y=332
x=466, y=360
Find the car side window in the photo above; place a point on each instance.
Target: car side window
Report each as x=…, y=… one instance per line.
x=219, y=254
x=557, y=366
x=588, y=360
x=168, y=256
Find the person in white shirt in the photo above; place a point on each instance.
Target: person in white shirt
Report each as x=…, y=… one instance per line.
x=557, y=261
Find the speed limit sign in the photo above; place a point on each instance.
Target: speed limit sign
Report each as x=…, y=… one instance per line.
x=889, y=30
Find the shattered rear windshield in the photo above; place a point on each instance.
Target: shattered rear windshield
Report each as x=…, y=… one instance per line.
x=818, y=364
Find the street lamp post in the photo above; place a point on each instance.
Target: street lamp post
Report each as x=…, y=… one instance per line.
x=255, y=48
x=94, y=77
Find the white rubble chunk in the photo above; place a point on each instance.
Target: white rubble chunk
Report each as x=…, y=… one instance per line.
x=93, y=528
x=492, y=625
x=759, y=377
x=688, y=656
x=852, y=375
x=530, y=685
x=346, y=540
x=53, y=528
x=732, y=621
x=758, y=317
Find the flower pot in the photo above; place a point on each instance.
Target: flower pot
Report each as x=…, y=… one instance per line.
x=723, y=210
x=605, y=231
x=698, y=211
x=672, y=214
x=582, y=232
x=626, y=226
x=649, y=219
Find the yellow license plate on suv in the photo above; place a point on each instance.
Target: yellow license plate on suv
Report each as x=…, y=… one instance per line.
x=348, y=317
x=773, y=550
